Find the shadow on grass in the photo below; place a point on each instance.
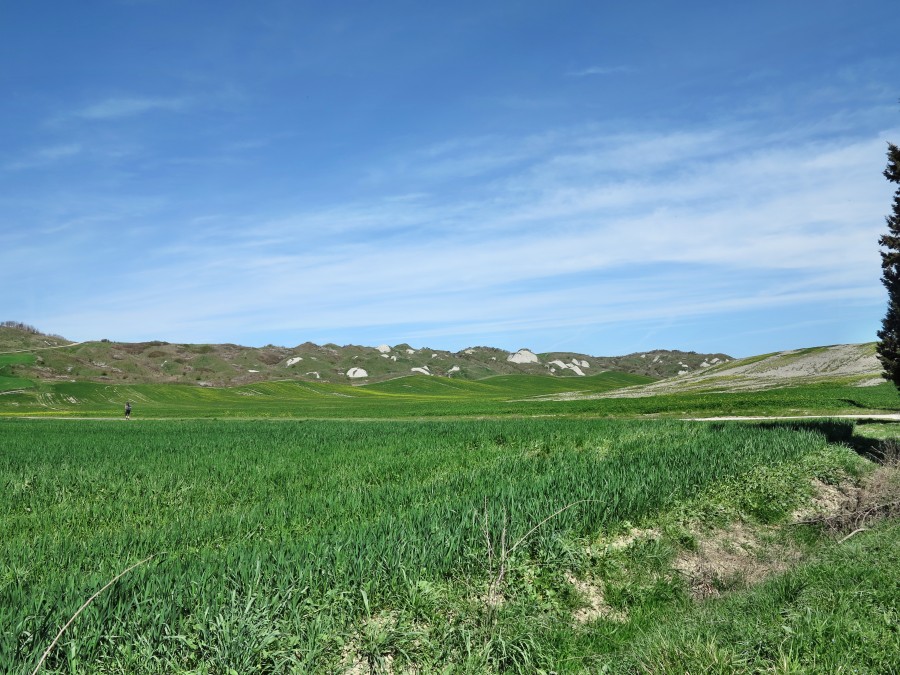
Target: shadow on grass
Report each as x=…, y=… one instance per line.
x=881, y=450
x=855, y=404
x=842, y=432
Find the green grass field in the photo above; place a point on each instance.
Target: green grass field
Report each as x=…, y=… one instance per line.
x=290, y=546
x=428, y=524
x=26, y=359
x=430, y=397
x=10, y=382
x=404, y=397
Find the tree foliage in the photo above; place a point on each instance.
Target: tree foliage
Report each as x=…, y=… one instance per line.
x=18, y=325
x=889, y=335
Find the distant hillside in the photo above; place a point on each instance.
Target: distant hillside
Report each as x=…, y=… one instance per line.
x=853, y=364
x=229, y=364
x=16, y=336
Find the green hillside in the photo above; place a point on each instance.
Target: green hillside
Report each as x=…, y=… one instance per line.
x=156, y=361
x=507, y=385
x=46, y=376
x=17, y=336
x=851, y=364
x=422, y=396
x=402, y=397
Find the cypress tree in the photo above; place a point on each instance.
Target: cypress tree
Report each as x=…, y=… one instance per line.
x=889, y=335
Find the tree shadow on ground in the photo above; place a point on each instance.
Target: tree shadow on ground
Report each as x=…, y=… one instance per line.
x=881, y=450
x=842, y=432
x=855, y=404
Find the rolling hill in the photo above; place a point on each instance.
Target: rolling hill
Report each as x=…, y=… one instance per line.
x=51, y=358
x=851, y=365
x=45, y=375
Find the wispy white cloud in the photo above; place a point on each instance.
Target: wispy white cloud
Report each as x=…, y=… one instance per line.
x=120, y=107
x=600, y=70
x=589, y=230
x=45, y=157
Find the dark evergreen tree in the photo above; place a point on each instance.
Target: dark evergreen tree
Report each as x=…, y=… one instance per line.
x=889, y=335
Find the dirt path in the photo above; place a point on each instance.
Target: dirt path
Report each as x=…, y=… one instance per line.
x=41, y=349
x=890, y=416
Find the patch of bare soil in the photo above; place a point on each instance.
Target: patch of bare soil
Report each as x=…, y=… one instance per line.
x=597, y=608
x=848, y=510
x=745, y=555
x=736, y=558
x=359, y=666
x=828, y=500
x=493, y=599
x=362, y=655
x=634, y=535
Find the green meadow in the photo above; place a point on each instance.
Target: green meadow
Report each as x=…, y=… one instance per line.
x=9, y=382
x=516, y=524
x=421, y=396
x=291, y=546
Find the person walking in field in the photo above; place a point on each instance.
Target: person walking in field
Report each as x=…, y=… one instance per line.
x=127, y=410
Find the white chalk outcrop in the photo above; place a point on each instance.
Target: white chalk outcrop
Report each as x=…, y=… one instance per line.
x=523, y=356
x=357, y=373
x=424, y=370
x=384, y=349
x=454, y=369
x=291, y=361
x=575, y=366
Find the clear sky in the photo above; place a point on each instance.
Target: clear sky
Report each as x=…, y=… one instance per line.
x=599, y=177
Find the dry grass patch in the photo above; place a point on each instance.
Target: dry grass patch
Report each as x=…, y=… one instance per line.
x=875, y=498
x=745, y=554
x=828, y=500
x=735, y=558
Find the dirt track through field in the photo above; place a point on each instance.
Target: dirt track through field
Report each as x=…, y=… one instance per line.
x=891, y=416
x=41, y=349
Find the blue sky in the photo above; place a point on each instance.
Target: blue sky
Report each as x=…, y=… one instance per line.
x=595, y=177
